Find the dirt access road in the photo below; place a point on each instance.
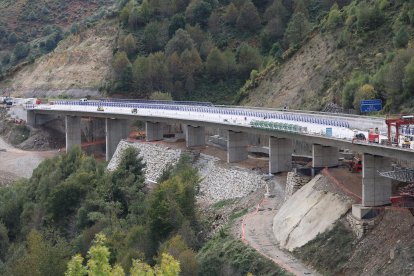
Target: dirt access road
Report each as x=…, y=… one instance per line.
x=16, y=163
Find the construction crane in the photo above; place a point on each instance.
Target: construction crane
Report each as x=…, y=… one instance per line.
x=397, y=122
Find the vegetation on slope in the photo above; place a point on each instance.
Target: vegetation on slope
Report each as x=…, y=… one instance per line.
x=71, y=201
x=372, y=57
x=70, y=198
x=205, y=49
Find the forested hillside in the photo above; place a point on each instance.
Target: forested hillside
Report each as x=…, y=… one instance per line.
x=361, y=51
x=206, y=49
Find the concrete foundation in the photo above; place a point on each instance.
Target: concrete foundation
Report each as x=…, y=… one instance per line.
x=116, y=130
x=280, y=155
x=195, y=136
x=154, y=131
x=324, y=156
x=376, y=190
x=73, y=132
x=236, y=146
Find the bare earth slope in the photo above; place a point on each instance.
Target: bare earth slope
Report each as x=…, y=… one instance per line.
x=79, y=62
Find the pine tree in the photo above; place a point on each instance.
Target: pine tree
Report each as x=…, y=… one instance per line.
x=297, y=29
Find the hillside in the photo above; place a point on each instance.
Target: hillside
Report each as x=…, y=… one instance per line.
x=78, y=66
x=31, y=29
x=362, y=51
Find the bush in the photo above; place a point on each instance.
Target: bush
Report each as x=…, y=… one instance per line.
x=334, y=18
x=368, y=17
x=401, y=38
x=21, y=50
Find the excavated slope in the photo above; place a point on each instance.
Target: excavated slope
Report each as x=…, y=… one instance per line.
x=311, y=210
x=80, y=62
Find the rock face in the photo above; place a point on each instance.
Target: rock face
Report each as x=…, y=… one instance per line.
x=157, y=157
x=294, y=182
x=308, y=212
x=222, y=182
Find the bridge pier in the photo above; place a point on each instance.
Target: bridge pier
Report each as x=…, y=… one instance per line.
x=376, y=189
x=195, y=136
x=154, y=131
x=236, y=146
x=280, y=154
x=73, y=131
x=116, y=130
x=324, y=156
x=31, y=118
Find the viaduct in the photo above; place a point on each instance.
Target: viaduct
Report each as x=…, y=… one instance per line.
x=281, y=128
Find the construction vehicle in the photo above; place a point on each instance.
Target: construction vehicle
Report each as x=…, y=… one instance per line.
x=406, y=143
x=359, y=137
x=373, y=135
x=355, y=165
x=397, y=122
x=100, y=108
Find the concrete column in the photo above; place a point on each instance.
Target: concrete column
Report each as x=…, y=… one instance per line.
x=324, y=156
x=280, y=154
x=376, y=190
x=236, y=146
x=195, y=136
x=73, y=131
x=153, y=131
x=116, y=130
x=31, y=118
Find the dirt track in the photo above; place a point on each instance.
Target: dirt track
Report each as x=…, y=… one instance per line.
x=16, y=163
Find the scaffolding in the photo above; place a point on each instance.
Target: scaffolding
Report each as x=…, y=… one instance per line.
x=402, y=175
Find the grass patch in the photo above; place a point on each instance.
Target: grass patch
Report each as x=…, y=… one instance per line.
x=238, y=214
x=329, y=251
x=225, y=202
x=225, y=255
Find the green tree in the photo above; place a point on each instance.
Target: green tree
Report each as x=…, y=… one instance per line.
x=334, y=17
x=155, y=36
x=248, y=59
x=401, y=38
x=368, y=16
x=179, y=42
x=123, y=71
x=231, y=14
x=248, y=19
x=177, y=22
x=42, y=257
x=98, y=263
x=129, y=45
x=365, y=92
x=198, y=12
x=215, y=64
x=4, y=241
x=297, y=29
x=408, y=81
x=12, y=38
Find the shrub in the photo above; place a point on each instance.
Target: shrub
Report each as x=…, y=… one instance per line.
x=297, y=29
x=334, y=17
x=21, y=50
x=401, y=38
x=368, y=17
